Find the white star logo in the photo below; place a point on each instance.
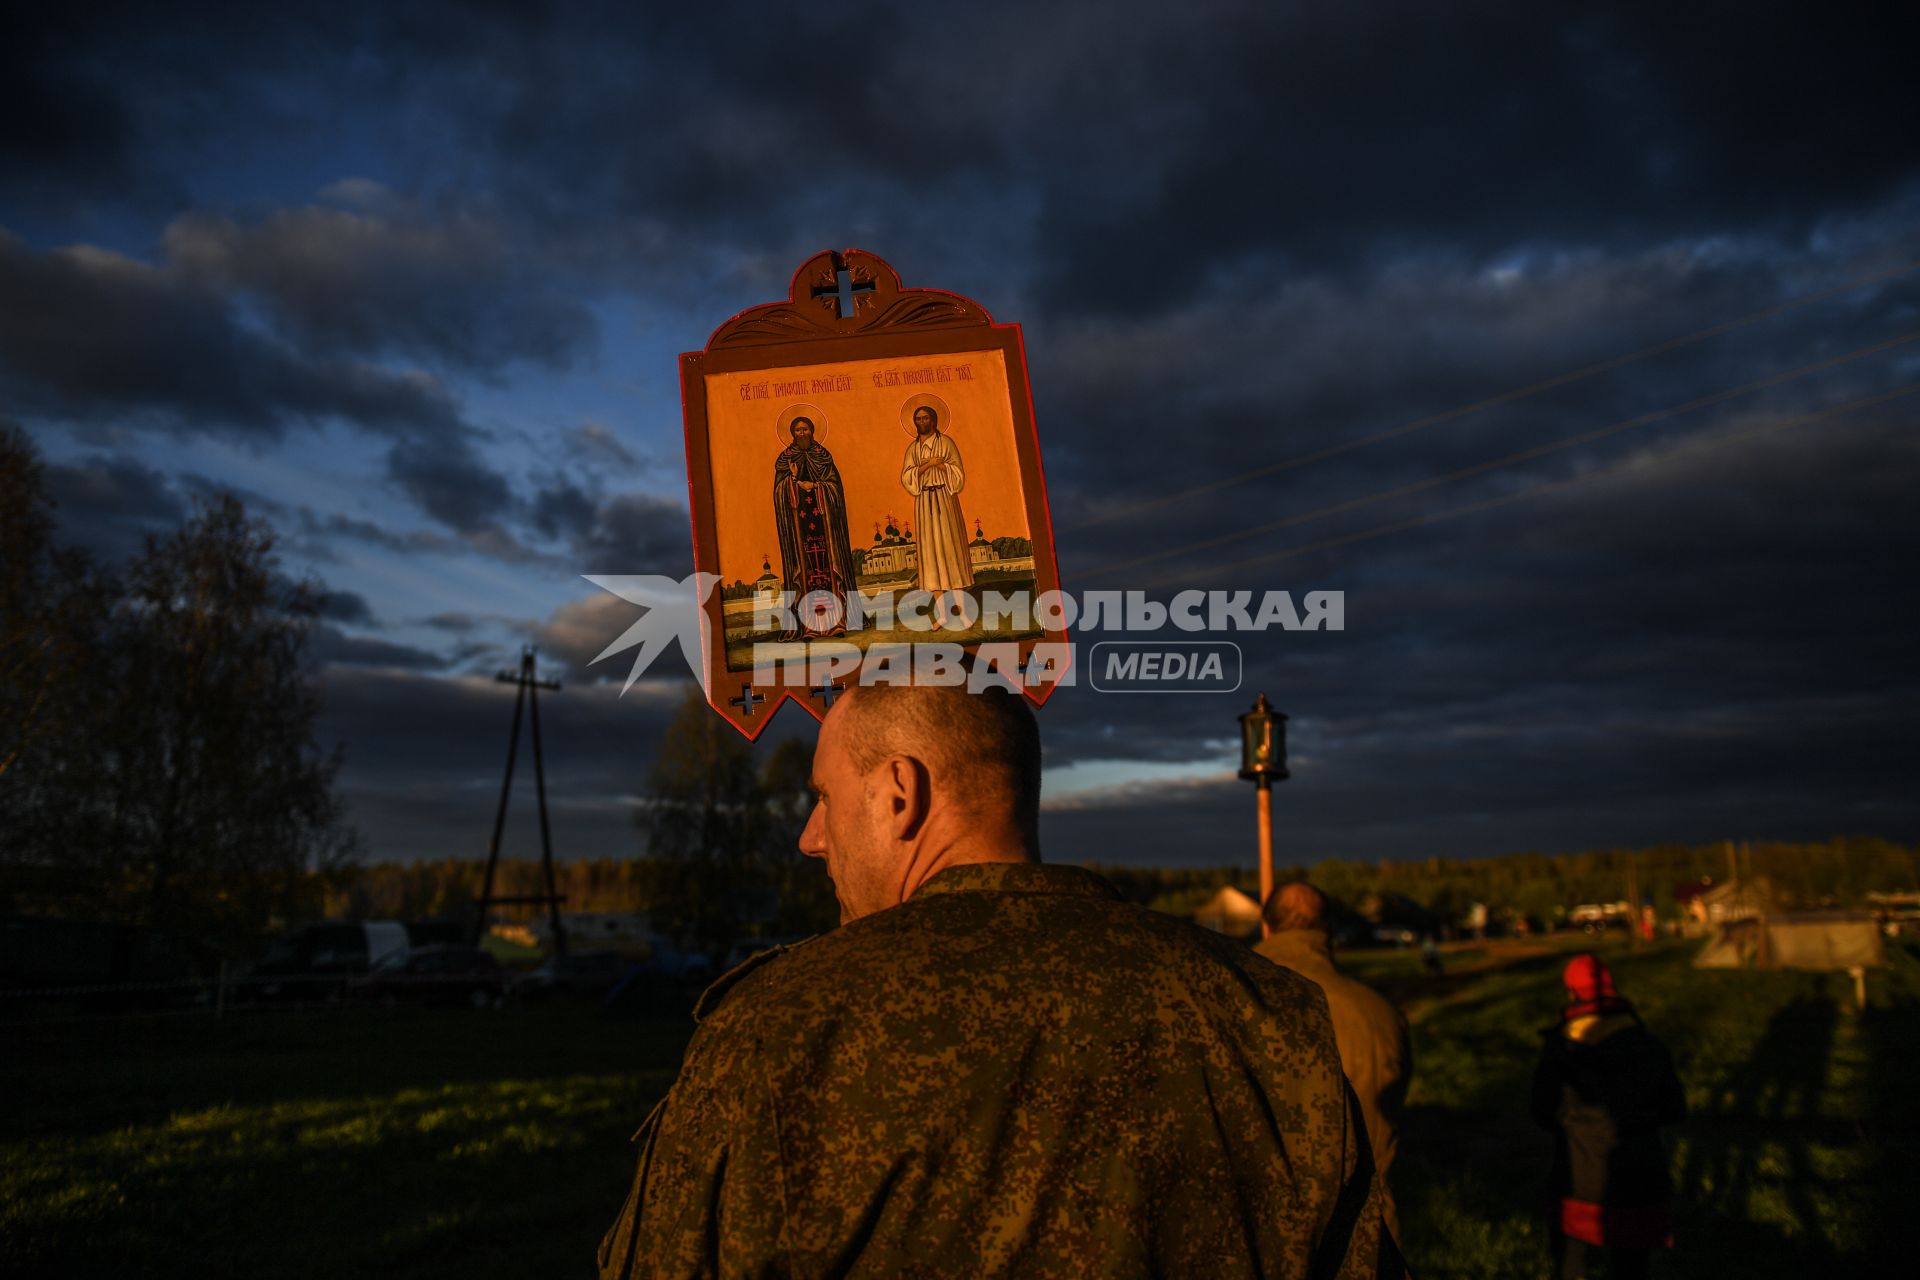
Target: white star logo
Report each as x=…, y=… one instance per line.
x=674, y=610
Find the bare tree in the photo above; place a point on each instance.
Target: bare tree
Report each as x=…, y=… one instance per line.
x=160, y=726
x=221, y=799
x=54, y=611
x=722, y=836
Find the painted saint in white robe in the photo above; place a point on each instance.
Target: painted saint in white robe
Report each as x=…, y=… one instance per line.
x=932, y=473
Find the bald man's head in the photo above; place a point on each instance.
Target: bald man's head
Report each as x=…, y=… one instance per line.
x=1296, y=906
x=986, y=742
x=910, y=781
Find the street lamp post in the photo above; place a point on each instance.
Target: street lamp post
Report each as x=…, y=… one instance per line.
x=1263, y=758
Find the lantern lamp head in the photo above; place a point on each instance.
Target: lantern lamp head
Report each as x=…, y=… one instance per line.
x=1263, y=743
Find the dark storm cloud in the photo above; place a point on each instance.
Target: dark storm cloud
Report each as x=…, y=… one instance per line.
x=1375, y=129
x=97, y=337
x=349, y=607
x=1236, y=234
x=91, y=334
x=637, y=533
x=317, y=531
x=109, y=504
x=583, y=529
x=577, y=632
x=114, y=102
x=594, y=445
x=1632, y=583
x=66, y=129
x=1164, y=150
x=450, y=483
x=411, y=794
x=1160, y=147
x=563, y=510
x=611, y=533
x=330, y=647
x=1329, y=362
x=455, y=290
x=625, y=532
x=1421, y=794
x=207, y=488
x=1674, y=638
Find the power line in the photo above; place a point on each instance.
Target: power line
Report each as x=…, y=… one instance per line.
x=1525, y=455
x=1547, y=486
x=1504, y=397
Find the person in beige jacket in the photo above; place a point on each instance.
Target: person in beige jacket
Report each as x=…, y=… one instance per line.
x=1375, y=1050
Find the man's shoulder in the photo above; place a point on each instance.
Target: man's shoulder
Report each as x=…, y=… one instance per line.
x=1343, y=990
x=1370, y=1004
x=718, y=990
x=953, y=942
x=802, y=978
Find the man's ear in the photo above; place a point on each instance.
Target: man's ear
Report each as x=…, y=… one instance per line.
x=908, y=796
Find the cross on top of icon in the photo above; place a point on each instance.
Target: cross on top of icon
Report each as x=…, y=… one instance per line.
x=844, y=289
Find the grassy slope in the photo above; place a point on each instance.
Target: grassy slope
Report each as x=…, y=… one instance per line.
x=328, y=1143
x=1798, y=1157
x=363, y=1142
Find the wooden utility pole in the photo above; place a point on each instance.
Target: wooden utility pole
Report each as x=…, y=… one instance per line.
x=527, y=697
x=1633, y=899
x=1265, y=804
x=1263, y=757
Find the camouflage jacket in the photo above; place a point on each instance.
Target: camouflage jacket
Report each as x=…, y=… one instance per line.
x=1376, y=1049
x=1011, y=1074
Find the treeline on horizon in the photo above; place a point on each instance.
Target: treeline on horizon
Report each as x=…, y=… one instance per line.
x=1836, y=872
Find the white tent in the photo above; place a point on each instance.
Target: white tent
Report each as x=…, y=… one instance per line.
x=1823, y=941
x=1230, y=912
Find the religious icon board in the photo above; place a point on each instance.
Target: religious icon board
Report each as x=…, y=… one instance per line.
x=861, y=458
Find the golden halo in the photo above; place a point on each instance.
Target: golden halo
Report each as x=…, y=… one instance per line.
x=931, y=401
x=783, y=424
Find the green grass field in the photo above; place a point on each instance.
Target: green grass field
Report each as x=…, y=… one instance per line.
x=399, y=1143
x=1800, y=1156
x=335, y=1143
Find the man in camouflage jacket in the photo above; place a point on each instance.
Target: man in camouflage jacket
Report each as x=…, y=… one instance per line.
x=994, y=1067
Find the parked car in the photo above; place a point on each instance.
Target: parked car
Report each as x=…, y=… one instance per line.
x=592, y=973
x=670, y=961
x=319, y=961
x=665, y=984
x=445, y=975
x=116, y=966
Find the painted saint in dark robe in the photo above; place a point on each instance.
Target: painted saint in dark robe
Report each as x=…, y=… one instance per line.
x=810, y=512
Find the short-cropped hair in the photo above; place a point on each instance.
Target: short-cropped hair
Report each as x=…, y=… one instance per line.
x=990, y=736
x=1296, y=906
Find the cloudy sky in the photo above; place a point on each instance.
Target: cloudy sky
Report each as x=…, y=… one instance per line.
x=411, y=280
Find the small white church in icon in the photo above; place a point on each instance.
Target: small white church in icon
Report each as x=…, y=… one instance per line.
x=888, y=564
x=893, y=553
